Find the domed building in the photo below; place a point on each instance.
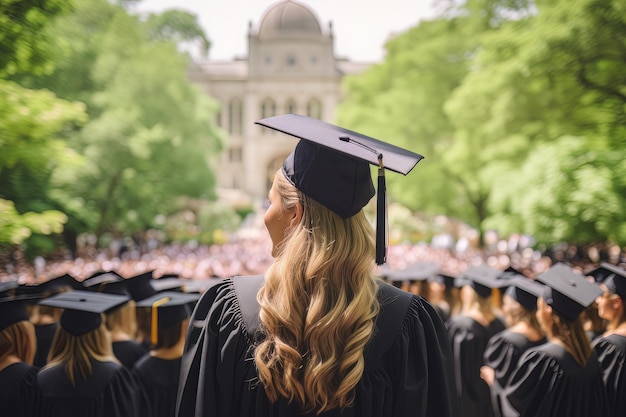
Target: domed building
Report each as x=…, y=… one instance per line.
x=291, y=67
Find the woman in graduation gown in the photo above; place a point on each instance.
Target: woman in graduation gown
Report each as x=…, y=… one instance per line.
x=505, y=348
x=158, y=371
x=469, y=332
x=560, y=378
x=82, y=378
x=318, y=334
x=17, y=351
x=611, y=347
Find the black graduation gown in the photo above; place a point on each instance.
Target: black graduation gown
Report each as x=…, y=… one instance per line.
x=611, y=351
x=469, y=339
x=502, y=353
x=548, y=382
x=45, y=334
x=110, y=391
x=128, y=352
x=17, y=382
x=408, y=373
x=159, y=378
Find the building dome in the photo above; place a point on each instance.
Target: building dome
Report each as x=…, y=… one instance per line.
x=289, y=18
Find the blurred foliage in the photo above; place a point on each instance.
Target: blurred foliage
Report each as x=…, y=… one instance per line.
x=519, y=108
x=112, y=133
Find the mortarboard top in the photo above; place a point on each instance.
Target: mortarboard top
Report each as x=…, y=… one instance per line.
x=118, y=287
x=419, y=271
x=605, y=271
x=7, y=286
x=199, y=286
x=332, y=165
x=567, y=292
x=450, y=281
x=484, y=278
x=168, y=284
x=140, y=286
x=105, y=278
x=12, y=310
x=168, y=308
x=60, y=283
x=525, y=291
x=83, y=309
x=616, y=282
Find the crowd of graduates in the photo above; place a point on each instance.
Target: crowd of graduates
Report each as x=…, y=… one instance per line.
x=547, y=345
x=552, y=344
x=105, y=346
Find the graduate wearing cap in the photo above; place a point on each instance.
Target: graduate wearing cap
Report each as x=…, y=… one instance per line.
x=158, y=371
x=46, y=319
x=121, y=322
x=469, y=332
x=17, y=352
x=443, y=294
x=560, y=377
x=82, y=377
x=611, y=347
x=319, y=334
x=519, y=305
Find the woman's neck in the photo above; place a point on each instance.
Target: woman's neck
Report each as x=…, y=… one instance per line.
x=173, y=352
x=8, y=360
x=119, y=336
x=618, y=327
x=527, y=331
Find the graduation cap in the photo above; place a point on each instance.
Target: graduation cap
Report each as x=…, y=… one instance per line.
x=167, y=308
x=605, y=271
x=331, y=165
x=450, y=281
x=101, y=279
x=7, y=288
x=567, y=292
x=616, y=282
x=419, y=271
x=60, y=283
x=167, y=284
x=83, y=309
x=13, y=307
x=484, y=278
x=140, y=286
x=525, y=291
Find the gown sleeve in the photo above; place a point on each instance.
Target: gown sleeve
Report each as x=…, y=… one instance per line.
x=612, y=360
x=502, y=356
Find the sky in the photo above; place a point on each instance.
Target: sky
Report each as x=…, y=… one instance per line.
x=361, y=27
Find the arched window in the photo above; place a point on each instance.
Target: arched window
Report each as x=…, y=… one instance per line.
x=291, y=106
x=314, y=109
x=235, y=117
x=268, y=109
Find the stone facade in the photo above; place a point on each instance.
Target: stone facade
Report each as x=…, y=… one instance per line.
x=291, y=67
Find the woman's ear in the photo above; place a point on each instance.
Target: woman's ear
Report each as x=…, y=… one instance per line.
x=296, y=216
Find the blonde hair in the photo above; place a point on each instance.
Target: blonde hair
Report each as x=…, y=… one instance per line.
x=19, y=340
x=573, y=336
x=123, y=319
x=76, y=352
x=318, y=307
x=518, y=313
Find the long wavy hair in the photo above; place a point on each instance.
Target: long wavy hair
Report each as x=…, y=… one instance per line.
x=123, y=319
x=19, y=340
x=77, y=352
x=318, y=307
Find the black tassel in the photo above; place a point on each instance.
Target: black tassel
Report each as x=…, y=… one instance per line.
x=381, y=215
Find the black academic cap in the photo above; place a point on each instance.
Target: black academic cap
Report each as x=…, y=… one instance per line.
x=101, y=279
x=12, y=310
x=567, y=292
x=605, y=271
x=140, y=286
x=167, y=308
x=168, y=284
x=450, y=281
x=483, y=278
x=616, y=282
x=119, y=287
x=83, y=309
x=199, y=286
x=7, y=286
x=60, y=283
x=419, y=271
x=525, y=291
x=331, y=165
